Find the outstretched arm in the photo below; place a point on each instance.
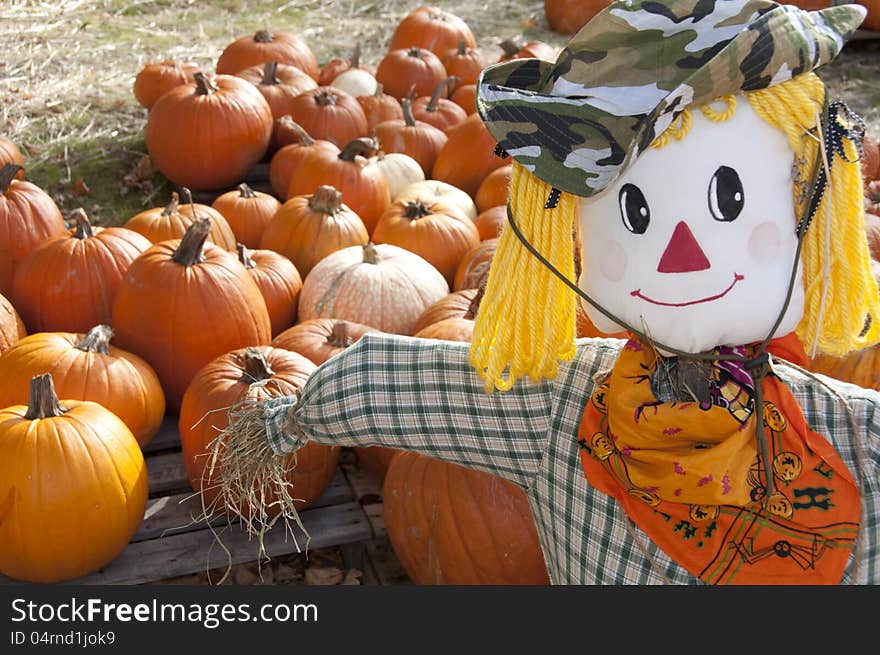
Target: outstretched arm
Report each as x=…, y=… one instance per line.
x=420, y=395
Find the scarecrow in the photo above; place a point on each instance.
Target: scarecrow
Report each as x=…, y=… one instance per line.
x=687, y=149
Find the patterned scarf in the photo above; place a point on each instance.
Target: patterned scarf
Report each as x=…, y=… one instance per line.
x=689, y=475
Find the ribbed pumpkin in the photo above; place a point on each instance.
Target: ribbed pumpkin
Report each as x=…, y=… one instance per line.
x=278, y=281
x=465, y=96
x=307, y=228
x=421, y=141
x=329, y=113
x=209, y=134
x=463, y=63
x=457, y=304
x=473, y=268
x=171, y=221
x=436, y=110
x=437, y=231
x=337, y=65
x=87, y=367
x=379, y=107
x=319, y=339
x=533, y=49
x=184, y=302
x=356, y=82
x=403, y=69
x=68, y=282
x=400, y=170
x=354, y=172
x=11, y=154
x=569, y=16
x=490, y=222
x=295, y=145
x=11, y=326
x=379, y=285
x=28, y=216
x=451, y=525
x=432, y=28
x=74, y=487
x=157, y=78
x=264, y=46
x=437, y=191
x=494, y=189
x=247, y=212
x=468, y=156
x=254, y=374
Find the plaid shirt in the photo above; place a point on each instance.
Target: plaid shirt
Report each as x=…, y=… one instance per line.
x=423, y=395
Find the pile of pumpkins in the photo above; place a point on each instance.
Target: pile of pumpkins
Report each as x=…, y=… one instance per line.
x=387, y=203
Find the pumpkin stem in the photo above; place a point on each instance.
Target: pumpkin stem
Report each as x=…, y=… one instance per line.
x=172, y=206
x=415, y=209
x=84, y=229
x=7, y=174
x=371, y=255
x=448, y=84
x=462, y=48
x=97, y=340
x=473, y=308
x=246, y=191
x=204, y=86
x=189, y=251
x=255, y=367
x=302, y=137
x=325, y=97
x=326, y=199
x=414, y=51
x=363, y=146
x=409, y=119
x=43, y=401
x=355, y=60
x=244, y=256
x=263, y=36
x=270, y=73
x=510, y=47
x=188, y=199
x=339, y=336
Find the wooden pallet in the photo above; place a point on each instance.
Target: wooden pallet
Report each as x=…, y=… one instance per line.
x=171, y=543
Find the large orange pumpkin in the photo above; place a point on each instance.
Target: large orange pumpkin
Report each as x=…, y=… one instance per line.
x=11, y=326
x=380, y=285
x=438, y=111
x=278, y=281
x=432, y=28
x=73, y=485
x=307, y=228
x=468, y=156
x=28, y=216
x=418, y=139
x=209, y=134
x=465, y=96
x=11, y=154
x=157, y=78
x=266, y=46
x=329, y=113
x=295, y=144
x=68, y=283
x=569, y=16
x=254, y=374
x=404, y=69
x=87, y=367
x=184, y=302
x=171, y=222
x=247, y=212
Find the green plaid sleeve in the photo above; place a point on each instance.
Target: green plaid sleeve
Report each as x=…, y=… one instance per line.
x=420, y=395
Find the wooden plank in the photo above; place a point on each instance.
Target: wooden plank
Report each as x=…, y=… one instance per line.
x=156, y=559
x=368, y=492
x=167, y=438
x=166, y=474
x=175, y=514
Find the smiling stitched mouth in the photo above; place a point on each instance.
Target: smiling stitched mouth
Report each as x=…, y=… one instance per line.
x=736, y=278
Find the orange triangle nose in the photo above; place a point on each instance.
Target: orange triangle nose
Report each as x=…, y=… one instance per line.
x=683, y=254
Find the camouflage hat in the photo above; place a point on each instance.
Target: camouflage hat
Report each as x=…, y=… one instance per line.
x=580, y=122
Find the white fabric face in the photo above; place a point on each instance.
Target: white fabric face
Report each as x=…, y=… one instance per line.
x=694, y=244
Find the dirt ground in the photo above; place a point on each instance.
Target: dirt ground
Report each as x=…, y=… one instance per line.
x=68, y=67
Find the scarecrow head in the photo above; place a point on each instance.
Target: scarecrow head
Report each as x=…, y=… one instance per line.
x=714, y=187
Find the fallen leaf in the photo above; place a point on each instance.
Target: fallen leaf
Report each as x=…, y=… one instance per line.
x=352, y=577
x=321, y=576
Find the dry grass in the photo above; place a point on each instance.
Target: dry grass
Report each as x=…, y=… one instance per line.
x=68, y=67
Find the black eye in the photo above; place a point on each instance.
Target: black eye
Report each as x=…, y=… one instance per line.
x=726, y=197
x=634, y=209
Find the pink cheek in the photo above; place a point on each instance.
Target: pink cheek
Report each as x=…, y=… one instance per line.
x=764, y=242
x=613, y=261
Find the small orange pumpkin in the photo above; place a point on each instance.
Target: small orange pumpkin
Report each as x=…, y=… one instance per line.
x=11, y=154
x=432, y=28
x=464, y=63
x=569, y=16
x=402, y=69
x=265, y=46
x=458, y=304
x=473, y=269
x=380, y=107
x=490, y=222
x=421, y=141
x=468, y=155
x=440, y=112
x=157, y=78
x=328, y=113
x=465, y=96
x=333, y=68
x=494, y=189
x=247, y=212
x=527, y=50
x=295, y=144
x=278, y=281
x=319, y=339
x=171, y=222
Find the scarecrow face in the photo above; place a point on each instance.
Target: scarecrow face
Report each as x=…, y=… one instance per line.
x=694, y=243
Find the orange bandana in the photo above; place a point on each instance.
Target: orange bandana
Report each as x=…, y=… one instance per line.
x=689, y=475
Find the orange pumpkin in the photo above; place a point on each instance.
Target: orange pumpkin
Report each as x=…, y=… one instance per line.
x=329, y=113
x=28, y=216
x=421, y=141
x=465, y=96
x=432, y=28
x=494, y=189
x=353, y=171
x=861, y=367
x=307, y=228
x=468, y=156
x=451, y=525
x=380, y=285
x=295, y=144
x=266, y=46
x=455, y=305
x=11, y=326
x=209, y=134
x=171, y=221
x=73, y=483
x=569, y=16
x=379, y=107
x=278, y=281
x=464, y=63
x=11, y=154
x=435, y=110
x=184, y=302
x=402, y=69
x=87, y=367
x=255, y=374
x=68, y=283
x=473, y=268
x=336, y=66
x=247, y=212
x=490, y=222
x=527, y=50
x=435, y=230
x=319, y=339
x=157, y=78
